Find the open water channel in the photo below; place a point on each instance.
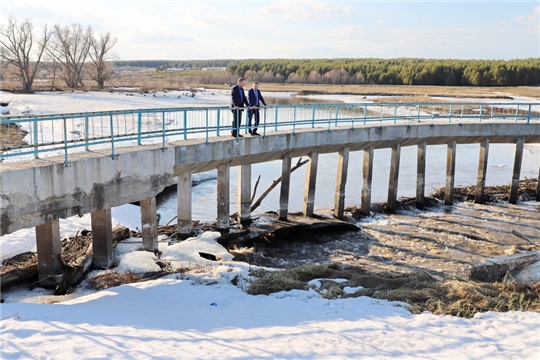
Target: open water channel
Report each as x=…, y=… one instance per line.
x=445, y=240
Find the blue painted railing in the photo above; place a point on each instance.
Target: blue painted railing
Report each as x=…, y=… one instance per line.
x=28, y=137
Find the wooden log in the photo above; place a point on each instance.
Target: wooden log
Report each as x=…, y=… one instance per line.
x=80, y=266
x=18, y=268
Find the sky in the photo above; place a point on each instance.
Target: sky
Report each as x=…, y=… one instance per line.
x=189, y=30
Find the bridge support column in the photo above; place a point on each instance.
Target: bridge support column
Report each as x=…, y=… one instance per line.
x=517, y=170
x=48, y=252
x=223, y=202
x=421, y=175
x=184, y=205
x=367, y=174
x=311, y=179
x=244, y=194
x=285, y=185
x=149, y=224
x=102, y=238
x=394, y=176
x=341, y=181
x=450, y=172
x=482, y=170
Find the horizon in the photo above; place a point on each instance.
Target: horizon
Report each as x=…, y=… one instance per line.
x=214, y=30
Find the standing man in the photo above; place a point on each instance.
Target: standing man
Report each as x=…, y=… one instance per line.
x=255, y=100
x=238, y=99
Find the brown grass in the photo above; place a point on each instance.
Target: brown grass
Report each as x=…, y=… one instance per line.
x=418, y=289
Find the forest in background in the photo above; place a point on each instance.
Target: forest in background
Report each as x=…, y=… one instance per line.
x=372, y=71
x=404, y=71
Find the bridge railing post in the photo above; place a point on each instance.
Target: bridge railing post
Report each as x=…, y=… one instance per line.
x=163, y=130
x=264, y=122
x=112, y=135
x=36, y=138
x=66, y=162
x=529, y=114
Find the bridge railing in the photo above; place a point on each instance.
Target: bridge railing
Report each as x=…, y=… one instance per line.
x=28, y=137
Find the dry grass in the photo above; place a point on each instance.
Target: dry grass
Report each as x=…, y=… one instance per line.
x=418, y=289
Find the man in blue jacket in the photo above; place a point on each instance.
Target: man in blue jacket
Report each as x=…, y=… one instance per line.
x=238, y=99
x=255, y=99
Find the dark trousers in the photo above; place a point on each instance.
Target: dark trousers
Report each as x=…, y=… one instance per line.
x=253, y=125
x=237, y=121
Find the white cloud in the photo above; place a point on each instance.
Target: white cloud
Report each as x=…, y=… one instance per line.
x=306, y=10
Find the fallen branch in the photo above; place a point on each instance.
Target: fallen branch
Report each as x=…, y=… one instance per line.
x=525, y=237
x=256, y=204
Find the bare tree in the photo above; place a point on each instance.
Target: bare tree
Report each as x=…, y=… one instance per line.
x=100, y=51
x=20, y=49
x=71, y=45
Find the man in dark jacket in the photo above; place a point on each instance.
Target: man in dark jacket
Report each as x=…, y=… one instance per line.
x=255, y=99
x=238, y=99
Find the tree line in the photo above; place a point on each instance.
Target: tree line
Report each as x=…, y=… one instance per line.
x=401, y=71
x=161, y=65
x=66, y=51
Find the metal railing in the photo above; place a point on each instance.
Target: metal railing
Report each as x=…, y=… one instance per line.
x=28, y=137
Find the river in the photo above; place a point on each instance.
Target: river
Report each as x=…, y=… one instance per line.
x=445, y=240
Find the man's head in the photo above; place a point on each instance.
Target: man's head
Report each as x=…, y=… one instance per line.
x=240, y=82
x=255, y=85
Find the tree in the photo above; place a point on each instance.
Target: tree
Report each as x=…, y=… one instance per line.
x=71, y=45
x=20, y=49
x=100, y=52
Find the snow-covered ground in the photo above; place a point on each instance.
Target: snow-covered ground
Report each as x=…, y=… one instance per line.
x=202, y=315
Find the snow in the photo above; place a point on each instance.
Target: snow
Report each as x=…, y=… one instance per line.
x=200, y=314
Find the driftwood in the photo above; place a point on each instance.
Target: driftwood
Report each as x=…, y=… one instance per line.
x=76, y=259
x=257, y=203
x=18, y=268
x=77, y=268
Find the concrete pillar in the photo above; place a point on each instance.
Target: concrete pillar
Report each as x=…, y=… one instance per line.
x=102, y=238
x=48, y=252
x=184, y=205
x=244, y=194
x=517, y=170
x=482, y=170
x=421, y=175
x=367, y=173
x=450, y=172
x=394, y=176
x=223, y=202
x=311, y=179
x=149, y=224
x=341, y=181
x=285, y=185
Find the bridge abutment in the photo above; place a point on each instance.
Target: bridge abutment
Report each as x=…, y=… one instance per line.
x=223, y=196
x=518, y=158
x=341, y=181
x=48, y=252
x=184, y=204
x=450, y=172
x=285, y=185
x=311, y=180
x=102, y=238
x=420, y=174
x=149, y=223
x=482, y=169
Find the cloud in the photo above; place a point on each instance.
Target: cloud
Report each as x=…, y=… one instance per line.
x=306, y=10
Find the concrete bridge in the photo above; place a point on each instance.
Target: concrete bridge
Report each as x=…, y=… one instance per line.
x=39, y=192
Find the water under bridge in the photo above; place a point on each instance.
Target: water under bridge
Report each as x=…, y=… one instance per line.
x=57, y=166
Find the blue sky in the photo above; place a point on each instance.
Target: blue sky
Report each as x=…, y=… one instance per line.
x=299, y=29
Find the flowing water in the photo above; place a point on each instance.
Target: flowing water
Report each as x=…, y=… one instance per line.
x=445, y=240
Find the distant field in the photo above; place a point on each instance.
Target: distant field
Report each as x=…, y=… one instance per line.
x=396, y=90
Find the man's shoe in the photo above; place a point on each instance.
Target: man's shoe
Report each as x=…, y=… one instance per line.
x=255, y=134
x=240, y=135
